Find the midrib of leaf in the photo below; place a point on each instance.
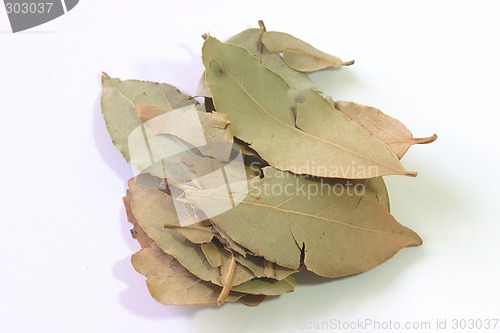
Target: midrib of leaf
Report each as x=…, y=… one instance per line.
x=296, y=130
x=288, y=211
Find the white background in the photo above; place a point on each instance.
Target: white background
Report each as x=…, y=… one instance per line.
x=64, y=240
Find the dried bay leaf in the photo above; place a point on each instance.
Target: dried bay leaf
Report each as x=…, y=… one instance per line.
x=156, y=214
x=325, y=142
x=387, y=128
x=298, y=54
x=166, y=276
x=339, y=232
x=154, y=210
x=172, y=284
x=251, y=40
x=345, y=138
x=120, y=98
x=137, y=113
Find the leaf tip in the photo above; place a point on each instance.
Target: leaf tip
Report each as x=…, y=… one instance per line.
x=105, y=76
x=417, y=240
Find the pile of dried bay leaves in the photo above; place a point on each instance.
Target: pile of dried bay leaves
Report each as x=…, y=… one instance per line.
x=269, y=176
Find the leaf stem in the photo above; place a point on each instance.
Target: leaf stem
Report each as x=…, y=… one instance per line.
x=227, y=284
x=429, y=139
x=262, y=26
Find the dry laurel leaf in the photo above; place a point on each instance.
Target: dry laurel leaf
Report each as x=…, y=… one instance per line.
x=325, y=142
x=298, y=54
x=118, y=104
x=338, y=232
x=387, y=128
x=170, y=283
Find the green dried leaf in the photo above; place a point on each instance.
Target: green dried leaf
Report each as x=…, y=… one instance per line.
x=325, y=142
x=120, y=98
x=251, y=40
x=338, y=231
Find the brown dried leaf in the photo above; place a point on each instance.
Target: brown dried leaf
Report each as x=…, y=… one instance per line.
x=172, y=284
x=155, y=213
x=387, y=128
